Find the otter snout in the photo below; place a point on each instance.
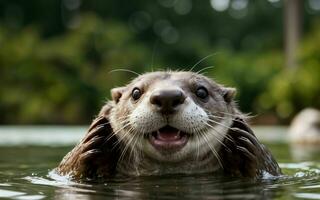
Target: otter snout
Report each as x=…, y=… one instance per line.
x=167, y=101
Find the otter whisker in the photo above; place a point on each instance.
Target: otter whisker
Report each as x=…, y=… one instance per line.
x=130, y=149
x=123, y=117
x=215, y=153
x=109, y=122
x=205, y=68
x=219, y=117
x=119, y=130
x=125, y=70
x=127, y=144
x=221, y=112
x=113, y=134
x=195, y=130
x=220, y=134
x=133, y=147
x=234, y=117
x=139, y=148
x=214, y=129
x=125, y=135
x=135, y=152
x=201, y=60
x=243, y=116
x=229, y=128
x=198, y=146
x=130, y=144
x=201, y=134
x=216, y=122
x=227, y=137
x=121, y=137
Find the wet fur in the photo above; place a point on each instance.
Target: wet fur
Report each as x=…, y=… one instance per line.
x=99, y=153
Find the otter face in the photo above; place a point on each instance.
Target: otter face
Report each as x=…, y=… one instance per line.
x=172, y=117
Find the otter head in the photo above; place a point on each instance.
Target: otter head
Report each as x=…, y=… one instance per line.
x=169, y=122
x=172, y=117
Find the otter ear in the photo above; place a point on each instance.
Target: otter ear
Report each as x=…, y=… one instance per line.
x=116, y=93
x=229, y=94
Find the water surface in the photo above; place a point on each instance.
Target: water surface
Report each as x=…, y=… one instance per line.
x=28, y=154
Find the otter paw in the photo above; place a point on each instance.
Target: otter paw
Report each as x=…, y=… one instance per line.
x=241, y=151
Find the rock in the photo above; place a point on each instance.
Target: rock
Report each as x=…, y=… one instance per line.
x=305, y=127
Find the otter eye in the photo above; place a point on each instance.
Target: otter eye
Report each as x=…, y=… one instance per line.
x=202, y=92
x=136, y=93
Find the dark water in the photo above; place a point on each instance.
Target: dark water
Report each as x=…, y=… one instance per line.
x=25, y=174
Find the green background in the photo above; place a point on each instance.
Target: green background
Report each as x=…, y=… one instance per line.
x=56, y=56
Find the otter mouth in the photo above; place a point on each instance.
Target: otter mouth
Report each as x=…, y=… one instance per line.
x=168, y=139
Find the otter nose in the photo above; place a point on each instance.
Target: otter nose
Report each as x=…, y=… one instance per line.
x=167, y=101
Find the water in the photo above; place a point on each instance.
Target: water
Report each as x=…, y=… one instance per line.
x=28, y=154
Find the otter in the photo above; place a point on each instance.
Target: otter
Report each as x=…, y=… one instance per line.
x=167, y=123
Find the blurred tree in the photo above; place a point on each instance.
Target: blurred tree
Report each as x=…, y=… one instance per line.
x=292, y=90
x=292, y=25
x=63, y=79
x=55, y=55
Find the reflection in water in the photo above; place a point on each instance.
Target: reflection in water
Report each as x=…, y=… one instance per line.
x=166, y=187
x=25, y=173
x=203, y=186
x=304, y=152
x=301, y=180
x=304, y=135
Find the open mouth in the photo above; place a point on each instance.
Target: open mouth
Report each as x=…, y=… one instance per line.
x=168, y=139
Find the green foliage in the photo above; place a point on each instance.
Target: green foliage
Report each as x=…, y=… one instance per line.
x=249, y=73
x=63, y=79
x=293, y=90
